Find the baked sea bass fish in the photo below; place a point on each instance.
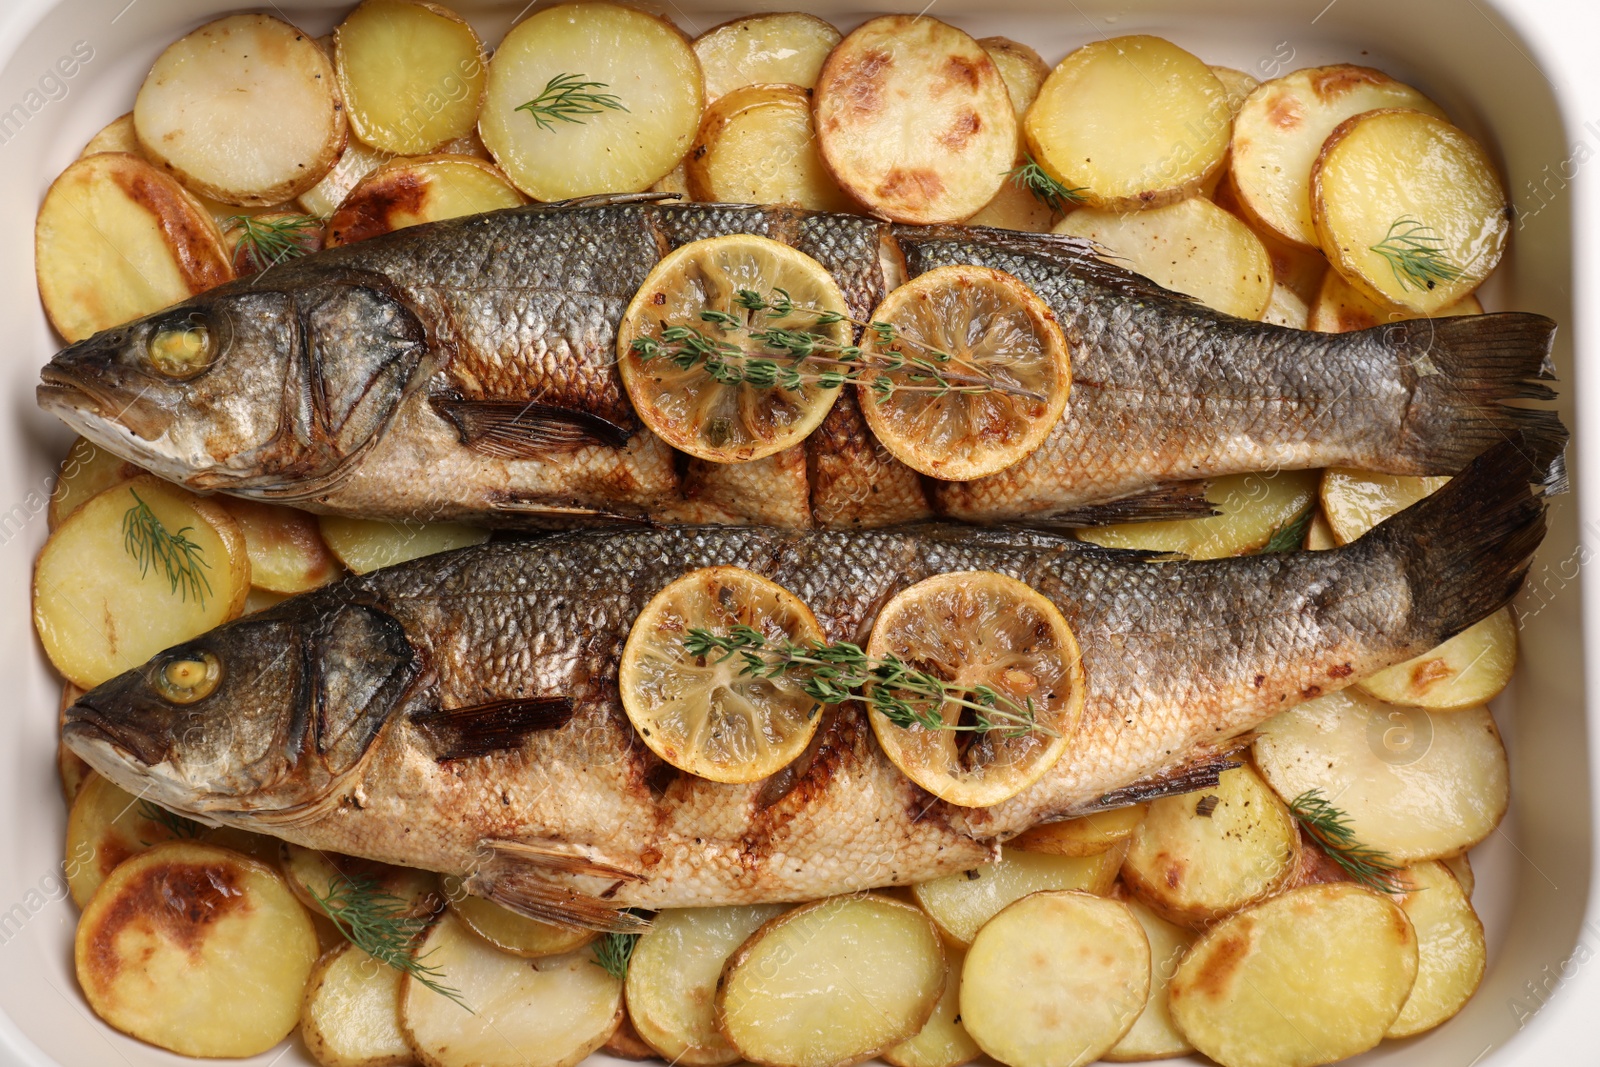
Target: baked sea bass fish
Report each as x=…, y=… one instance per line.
x=461, y=713
x=467, y=369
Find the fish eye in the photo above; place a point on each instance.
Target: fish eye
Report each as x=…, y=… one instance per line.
x=181, y=349
x=188, y=678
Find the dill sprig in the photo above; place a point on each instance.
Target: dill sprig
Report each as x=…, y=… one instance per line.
x=150, y=543
x=1291, y=536
x=805, y=358
x=266, y=241
x=1045, y=189
x=376, y=922
x=613, y=952
x=1330, y=827
x=175, y=824
x=565, y=97
x=1413, y=252
x=833, y=674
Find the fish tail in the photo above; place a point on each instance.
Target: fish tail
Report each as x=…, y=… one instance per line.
x=1468, y=370
x=1467, y=547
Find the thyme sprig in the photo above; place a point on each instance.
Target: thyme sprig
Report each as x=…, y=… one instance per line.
x=613, y=952
x=152, y=544
x=376, y=922
x=1412, y=249
x=1045, y=189
x=175, y=824
x=835, y=673
x=805, y=358
x=1330, y=827
x=266, y=241
x=567, y=96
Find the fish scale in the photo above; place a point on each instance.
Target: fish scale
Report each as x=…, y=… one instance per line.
x=326, y=728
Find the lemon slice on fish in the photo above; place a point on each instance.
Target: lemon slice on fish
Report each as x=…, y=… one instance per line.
x=979, y=632
x=999, y=348
x=692, y=391
x=703, y=714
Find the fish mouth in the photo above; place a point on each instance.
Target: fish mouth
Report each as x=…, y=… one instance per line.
x=57, y=390
x=88, y=728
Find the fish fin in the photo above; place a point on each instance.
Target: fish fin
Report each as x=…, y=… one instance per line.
x=479, y=729
x=1466, y=549
x=611, y=200
x=1467, y=370
x=517, y=876
x=1176, y=500
x=521, y=429
x=1200, y=771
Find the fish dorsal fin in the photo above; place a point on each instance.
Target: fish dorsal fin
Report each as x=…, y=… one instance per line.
x=518, y=875
x=479, y=729
x=521, y=429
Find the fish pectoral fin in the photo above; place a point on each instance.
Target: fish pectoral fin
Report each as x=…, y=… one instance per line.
x=1174, y=500
x=1201, y=770
x=522, y=429
x=518, y=876
x=479, y=729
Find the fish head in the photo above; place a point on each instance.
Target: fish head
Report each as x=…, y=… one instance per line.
x=252, y=387
x=257, y=721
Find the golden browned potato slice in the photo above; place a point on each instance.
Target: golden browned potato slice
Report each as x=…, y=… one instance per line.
x=1409, y=208
x=1254, y=510
x=196, y=949
x=1319, y=535
x=590, y=97
x=141, y=567
x=942, y=1041
x=412, y=74
x=1153, y=1036
x=1191, y=247
x=116, y=239
x=355, y=163
x=782, y=48
x=116, y=136
x=315, y=876
x=1340, y=307
x=705, y=714
x=70, y=767
x=1469, y=669
x=1130, y=122
x=524, y=1013
x=1451, y=953
x=1308, y=977
x=673, y=974
x=915, y=120
x=961, y=903
x=265, y=239
x=1356, y=501
x=1021, y=68
x=1055, y=980
x=1198, y=856
x=675, y=181
x=1237, y=84
x=413, y=191
x=1087, y=835
x=87, y=471
x=625, y=1043
x=979, y=327
x=508, y=931
x=365, y=545
x=1014, y=207
x=1279, y=132
x=977, y=631
x=757, y=146
x=1415, y=784
x=107, y=825
x=1287, y=309
x=285, y=547
x=245, y=109
x=1461, y=867
x=351, y=1015
x=833, y=982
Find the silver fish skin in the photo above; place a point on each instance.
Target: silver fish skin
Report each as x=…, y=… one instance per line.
x=466, y=370
x=460, y=713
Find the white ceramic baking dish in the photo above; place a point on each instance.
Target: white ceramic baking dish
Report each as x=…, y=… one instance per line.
x=1515, y=72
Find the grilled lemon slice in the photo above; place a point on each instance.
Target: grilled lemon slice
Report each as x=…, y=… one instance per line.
x=704, y=716
x=975, y=629
x=989, y=336
x=695, y=408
